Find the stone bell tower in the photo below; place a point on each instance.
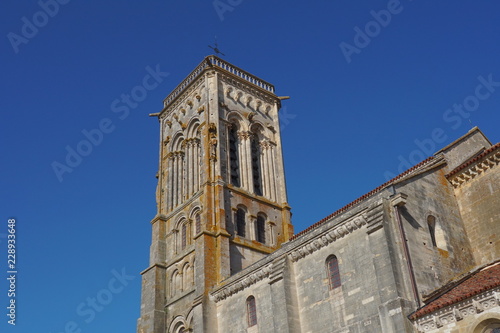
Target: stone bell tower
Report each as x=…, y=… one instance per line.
x=221, y=194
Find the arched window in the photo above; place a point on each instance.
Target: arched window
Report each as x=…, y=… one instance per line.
x=251, y=311
x=175, y=283
x=197, y=221
x=240, y=222
x=332, y=272
x=491, y=325
x=257, y=179
x=260, y=229
x=233, y=155
x=436, y=232
x=431, y=223
x=183, y=236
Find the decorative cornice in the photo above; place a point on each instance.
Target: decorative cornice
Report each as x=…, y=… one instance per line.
x=475, y=167
x=180, y=98
x=461, y=310
x=272, y=267
x=229, y=70
x=339, y=231
x=245, y=281
x=248, y=88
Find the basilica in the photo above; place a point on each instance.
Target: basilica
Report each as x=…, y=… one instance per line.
x=419, y=253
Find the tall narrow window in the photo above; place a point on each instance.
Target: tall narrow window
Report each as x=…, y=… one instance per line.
x=233, y=155
x=333, y=273
x=438, y=235
x=197, y=221
x=251, y=311
x=240, y=222
x=183, y=236
x=431, y=222
x=261, y=229
x=257, y=183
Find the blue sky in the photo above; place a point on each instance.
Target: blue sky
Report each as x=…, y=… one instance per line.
x=375, y=86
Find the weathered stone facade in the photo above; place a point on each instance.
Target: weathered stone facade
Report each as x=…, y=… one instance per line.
x=223, y=255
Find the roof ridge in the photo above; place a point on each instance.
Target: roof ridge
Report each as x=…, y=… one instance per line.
x=473, y=160
x=451, y=285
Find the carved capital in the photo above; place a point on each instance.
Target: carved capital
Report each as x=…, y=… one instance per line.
x=244, y=135
x=212, y=129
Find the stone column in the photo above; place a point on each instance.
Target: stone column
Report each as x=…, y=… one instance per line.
x=272, y=171
x=252, y=233
x=175, y=183
x=248, y=161
x=243, y=169
x=189, y=167
x=196, y=169
x=264, y=146
x=182, y=174
x=272, y=227
x=170, y=181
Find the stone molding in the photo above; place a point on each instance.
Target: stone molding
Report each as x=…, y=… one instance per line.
x=486, y=301
x=475, y=169
x=274, y=267
x=243, y=282
x=182, y=97
x=253, y=91
x=183, y=205
x=339, y=231
x=277, y=269
x=374, y=218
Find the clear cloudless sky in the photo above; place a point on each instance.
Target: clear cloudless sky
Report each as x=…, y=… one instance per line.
x=368, y=99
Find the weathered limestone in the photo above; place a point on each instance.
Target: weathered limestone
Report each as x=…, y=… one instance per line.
x=222, y=239
x=196, y=244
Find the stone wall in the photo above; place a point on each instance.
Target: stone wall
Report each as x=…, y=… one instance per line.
x=430, y=194
x=479, y=202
